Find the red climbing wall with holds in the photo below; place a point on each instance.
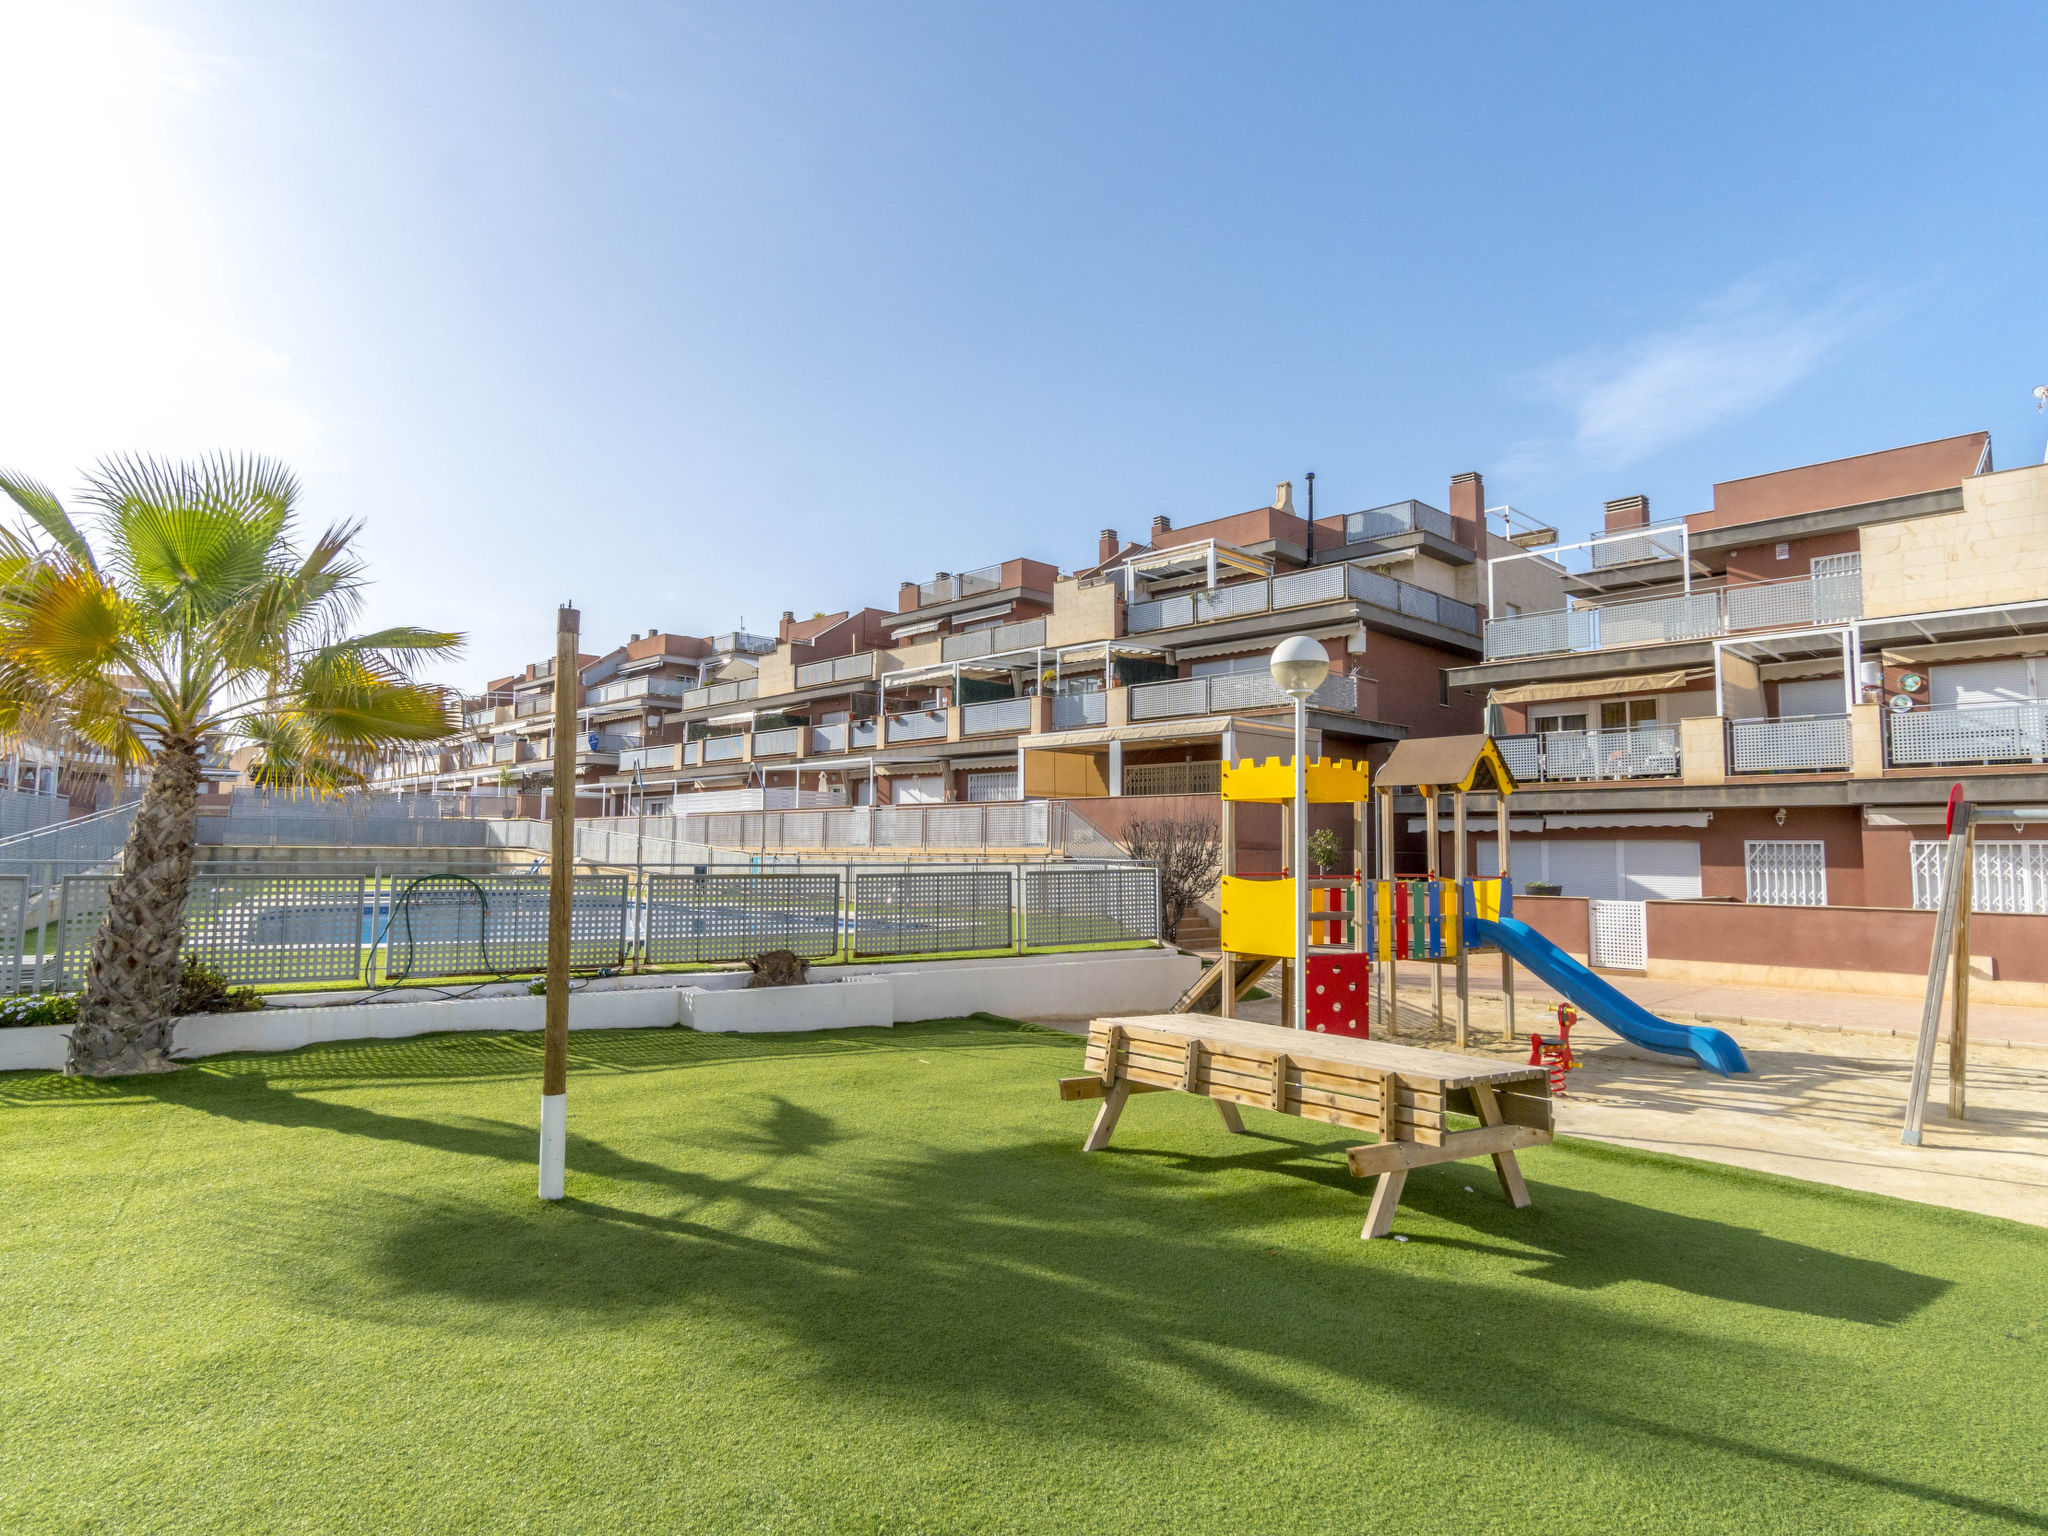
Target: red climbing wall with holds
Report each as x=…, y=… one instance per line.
x=1339, y=994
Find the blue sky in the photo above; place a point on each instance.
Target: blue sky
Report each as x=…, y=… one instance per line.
x=693, y=313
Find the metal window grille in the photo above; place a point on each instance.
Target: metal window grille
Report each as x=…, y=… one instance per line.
x=251, y=929
x=1620, y=935
x=995, y=784
x=456, y=925
x=1173, y=778
x=1815, y=743
x=2007, y=876
x=1785, y=874
x=692, y=918
x=1090, y=906
x=933, y=912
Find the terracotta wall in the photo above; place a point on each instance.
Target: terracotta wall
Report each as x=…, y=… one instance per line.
x=1721, y=846
x=1844, y=482
x=1564, y=920
x=1836, y=938
x=1408, y=681
x=1760, y=562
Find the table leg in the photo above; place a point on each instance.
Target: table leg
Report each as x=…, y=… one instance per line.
x=1105, y=1118
x=1386, y=1195
x=1233, y=1122
x=1505, y=1168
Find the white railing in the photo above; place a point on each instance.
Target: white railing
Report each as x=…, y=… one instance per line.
x=829, y=738
x=783, y=741
x=1806, y=744
x=1638, y=752
x=1322, y=584
x=739, y=642
x=1618, y=935
x=693, y=753
x=864, y=734
x=1233, y=690
x=1977, y=733
x=1397, y=518
x=736, y=819
x=993, y=716
x=1666, y=544
x=722, y=693
x=839, y=669
x=636, y=688
x=1071, y=711
x=648, y=757
x=1024, y=635
x=723, y=749
x=1834, y=598
x=916, y=725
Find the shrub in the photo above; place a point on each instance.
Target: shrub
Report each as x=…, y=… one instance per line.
x=1325, y=848
x=36, y=1008
x=201, y=990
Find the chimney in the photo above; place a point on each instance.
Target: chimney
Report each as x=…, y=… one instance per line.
x=634, y=638
x=1468, y=510
x=1283, y=497
x=1626, y=512
x=788, y=620
x=1106, y=546
x=1161, y=524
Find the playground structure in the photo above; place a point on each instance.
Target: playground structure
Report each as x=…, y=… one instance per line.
x=1361, y=930
x=1948, y=963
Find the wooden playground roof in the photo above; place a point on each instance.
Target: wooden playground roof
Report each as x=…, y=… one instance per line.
x=1446, y=762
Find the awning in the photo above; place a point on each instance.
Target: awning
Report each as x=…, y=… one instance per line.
x=976, y=615
x=1572, y=821
x=929, y=627
x=1239, y=647
x=1965, y=650
x=744, y=717
x=1200, y=727
x=1599, y=687
x=1478, y=824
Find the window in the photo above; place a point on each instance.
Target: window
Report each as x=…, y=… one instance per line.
x=1782, y=552
x=1443, y=686
x=999, y=784
x=2008, y=877
x=1624, y=714
x=1785, y=874
x=1605, y=869
x=1543, y=724
x=1221, y=666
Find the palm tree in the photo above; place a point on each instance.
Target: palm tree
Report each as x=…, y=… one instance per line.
x=197, y=621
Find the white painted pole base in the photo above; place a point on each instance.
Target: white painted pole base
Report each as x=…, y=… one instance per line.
x=554, y=1130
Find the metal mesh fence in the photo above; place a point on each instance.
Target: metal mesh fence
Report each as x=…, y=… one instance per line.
x=735, y=917
x=462, y=925
x=15, y=967
x=251, y=929
x=1090, y=906
x=934, y=912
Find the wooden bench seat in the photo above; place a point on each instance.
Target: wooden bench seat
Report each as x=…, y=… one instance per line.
x=1399, y=1093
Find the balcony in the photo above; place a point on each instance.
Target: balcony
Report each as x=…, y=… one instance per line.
x=1638, y=752
x=608, y=741
x=1973, y=734
x=829, y=738
x=721, y=693
x=947, y=589
x=1173, y=779
x=737, y=642
x=637, y=688
x=1022, y=636
x=1805, y=744
x=841, y=669
x=649, y=758
x=1802, y=601
x=916, y=725
x=723, y=749
x=995, y=717
x=1322, y=584
x=1397, y=518
x=1072, y=711
x=783, y=741
x=1232, y=691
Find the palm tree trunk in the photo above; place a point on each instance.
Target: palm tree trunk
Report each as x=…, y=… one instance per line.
x=131, y=986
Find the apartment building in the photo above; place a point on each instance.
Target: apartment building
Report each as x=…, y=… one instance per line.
x=1131, y=676
x=1768, y=700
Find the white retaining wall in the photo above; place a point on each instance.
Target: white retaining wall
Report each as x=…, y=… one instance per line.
x=1076, y=986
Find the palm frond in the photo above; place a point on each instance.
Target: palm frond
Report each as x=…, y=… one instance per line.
x=48, y=514
x=192, y=541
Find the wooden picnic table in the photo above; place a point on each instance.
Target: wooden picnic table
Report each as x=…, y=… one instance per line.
x=1400, y=1093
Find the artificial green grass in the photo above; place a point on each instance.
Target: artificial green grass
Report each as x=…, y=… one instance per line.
x=868, y=1282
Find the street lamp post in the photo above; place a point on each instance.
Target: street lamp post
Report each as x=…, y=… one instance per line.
x=1299, y=666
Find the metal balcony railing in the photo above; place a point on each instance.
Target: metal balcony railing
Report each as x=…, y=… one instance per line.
x=739, y=642
x=648, y=758
x=1235, y=690
x=1173, y=779
x=783, y=741
x=995, y=716
x=840, y=669
x=863, y=734
x=1397, y=518
x=608, y=741
x=1661, y=544
x=1021, y=636
x=917, y=725
x=723, y=749
x=1976, y=733
x=1637, y=752
x=951, y=588
x=637, y=688
x=829, y=738
x=1071, y=711
x=1322, y=584
x=1805, y=744
x=1835, y=598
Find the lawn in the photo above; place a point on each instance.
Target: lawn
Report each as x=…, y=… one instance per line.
x=867, y=1282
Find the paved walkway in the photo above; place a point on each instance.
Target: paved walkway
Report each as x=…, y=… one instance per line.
x=1824, y=1100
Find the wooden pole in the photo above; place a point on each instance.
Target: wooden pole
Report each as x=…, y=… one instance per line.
x=1954, y=861
x=1436, y=970
x=1959, y=1020
x=1390, y=978
x=554, y=1086
x=1507, y=961
x=1458, y=875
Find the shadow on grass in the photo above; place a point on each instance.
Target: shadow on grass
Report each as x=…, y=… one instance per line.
x=1006, y=1276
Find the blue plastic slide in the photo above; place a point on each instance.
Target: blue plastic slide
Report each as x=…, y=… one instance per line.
x=1627, y=1018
